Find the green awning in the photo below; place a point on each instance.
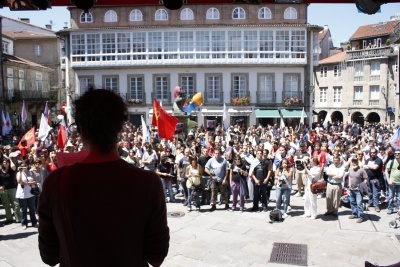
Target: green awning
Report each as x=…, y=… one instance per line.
x=292, y=113
x=267, y=113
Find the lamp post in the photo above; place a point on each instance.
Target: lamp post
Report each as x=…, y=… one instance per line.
x=383, y=90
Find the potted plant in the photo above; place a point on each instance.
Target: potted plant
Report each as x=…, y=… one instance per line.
x=388, y=41
x=135, y=101
x=241, y=101
x=291, y=101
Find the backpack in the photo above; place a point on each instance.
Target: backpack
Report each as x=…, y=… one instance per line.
x=275, y=216
x=389, y=170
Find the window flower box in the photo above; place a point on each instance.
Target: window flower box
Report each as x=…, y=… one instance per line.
x=241, y=101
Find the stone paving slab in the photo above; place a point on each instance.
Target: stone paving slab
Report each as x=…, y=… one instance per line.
x=223, y=238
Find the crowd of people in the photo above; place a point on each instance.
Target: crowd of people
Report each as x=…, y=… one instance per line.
x=238, y=163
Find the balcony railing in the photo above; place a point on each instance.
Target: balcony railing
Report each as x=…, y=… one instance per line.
x=213, y=97
x=374, y=102
x=357, y=102
x=266, y=97
x=29, y=95
x=166, y=98
x=374, y=77
x=369, y=53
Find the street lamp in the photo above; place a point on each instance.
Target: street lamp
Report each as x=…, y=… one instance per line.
x=383, y=90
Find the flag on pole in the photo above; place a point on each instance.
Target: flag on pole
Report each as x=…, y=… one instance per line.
x=24, y=114
x=282, y=123
x=29, y=136
x=224, y=116
x=145, y=132
x=165, y=122
x=44, y=128
x=8, y=123
x=327, y=119
x=62, y=136
x=4, y=128
x=228, y=135
x=47, y=113
x=303, y=115
x=395, y=139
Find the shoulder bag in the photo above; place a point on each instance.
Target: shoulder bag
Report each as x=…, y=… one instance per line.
x=318, y=187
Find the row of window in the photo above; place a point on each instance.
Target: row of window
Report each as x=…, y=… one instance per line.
x=375, y=68
x=188, y=14
x=37, y=49
x=374, y=93
x=190, y=44
x=21, y=80
x=213, y=86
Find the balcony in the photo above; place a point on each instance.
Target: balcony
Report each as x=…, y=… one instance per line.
x=374, y=102
x=213, y=98
x=240, y=98
x=375, y=77
x=370, y=53
x=30, y=95
x=357, y=102
x=266, y=98
x=165, y=98
x=136, y=98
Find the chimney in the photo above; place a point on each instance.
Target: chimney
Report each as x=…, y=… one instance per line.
x=27, y=20
x=325, y=27
x=48, y=26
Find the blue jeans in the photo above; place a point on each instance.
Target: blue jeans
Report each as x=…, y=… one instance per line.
x=168, y=185
x=28, y=203
x=279, y=193
x=394, y=194
x=197, y=199
x=375, y=186
x=356, y=204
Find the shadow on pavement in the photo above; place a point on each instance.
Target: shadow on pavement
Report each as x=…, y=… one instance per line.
x=16, y=236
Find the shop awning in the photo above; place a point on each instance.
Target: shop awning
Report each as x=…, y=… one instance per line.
x=291, y=113
x=267, y=113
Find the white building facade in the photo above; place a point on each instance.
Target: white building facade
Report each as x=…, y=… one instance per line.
x=250, y=57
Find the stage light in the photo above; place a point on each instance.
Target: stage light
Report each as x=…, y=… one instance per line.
x=173, y=4
x=84, y=4
x=41, y=4
x=370, y=6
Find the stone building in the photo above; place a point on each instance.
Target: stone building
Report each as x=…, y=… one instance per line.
x=361, y=83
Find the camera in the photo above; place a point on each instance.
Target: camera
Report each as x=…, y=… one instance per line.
x=298, y=162
x=281, y=182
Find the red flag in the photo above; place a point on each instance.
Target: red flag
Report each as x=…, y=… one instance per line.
x=165, y=122
x=62, y=136
x=29, y=137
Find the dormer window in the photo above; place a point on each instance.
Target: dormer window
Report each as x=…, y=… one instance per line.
x=212, y=13
x=239, y=13
x=136, y=15
x=86, y=17
x=161, y=14
x=110, y=16
x=264, y=13
x=290, y=13
x=187, y=14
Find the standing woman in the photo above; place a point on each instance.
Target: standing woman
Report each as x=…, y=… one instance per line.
x=310, y=203
x=283, y=185
x=8, y=198
x=26, y=180
x=193, y=174
x=237, y=178
x=36, y=171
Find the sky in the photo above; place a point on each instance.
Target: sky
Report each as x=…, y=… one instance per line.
x=342, y=19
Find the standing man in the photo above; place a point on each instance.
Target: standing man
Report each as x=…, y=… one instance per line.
x=182, y=164
x=300, y=156
x=393, y=179
x=373, y=167
x=205, y=178
x=356, y=176
x=70, y=216
x=217, y=168
x=335, y=174
x=260, y=175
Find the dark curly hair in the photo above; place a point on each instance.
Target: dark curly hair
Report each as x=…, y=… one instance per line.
x=100, y=115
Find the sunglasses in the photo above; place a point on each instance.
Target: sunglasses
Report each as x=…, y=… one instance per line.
x=396, y=154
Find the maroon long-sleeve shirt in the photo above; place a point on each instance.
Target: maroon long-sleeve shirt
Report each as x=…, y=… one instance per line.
x=117, y=213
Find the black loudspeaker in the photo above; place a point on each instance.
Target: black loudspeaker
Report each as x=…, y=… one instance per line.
x=84, y=4
x=173, y=4
x=370, y=6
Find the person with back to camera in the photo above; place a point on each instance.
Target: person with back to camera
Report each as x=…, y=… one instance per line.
x=77, y=228
x=310, y=202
